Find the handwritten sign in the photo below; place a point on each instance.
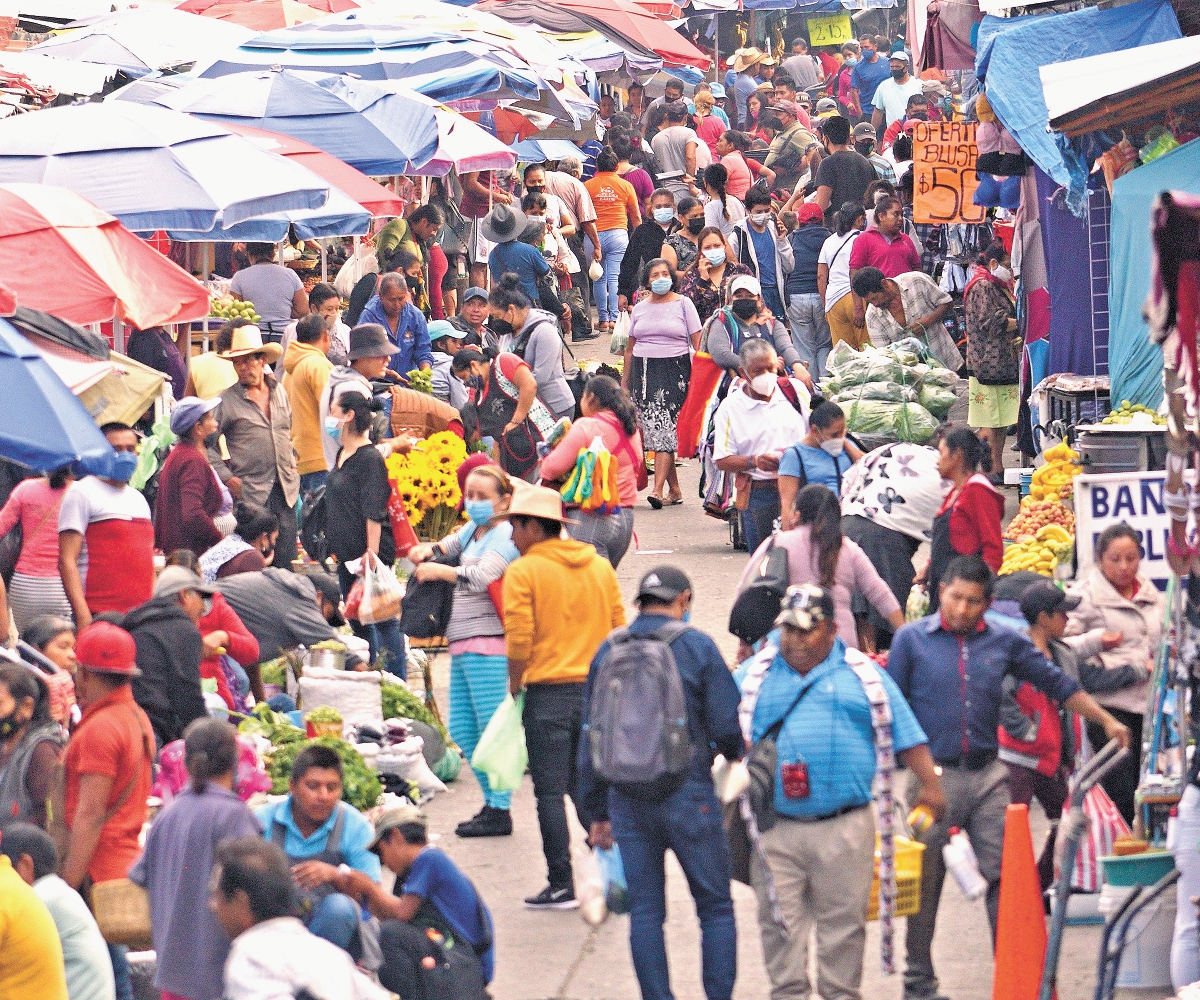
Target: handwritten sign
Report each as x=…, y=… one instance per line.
x=829, y=29
x=944, y=178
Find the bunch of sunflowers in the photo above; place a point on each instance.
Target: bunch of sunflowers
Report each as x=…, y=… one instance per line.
x=427, y=484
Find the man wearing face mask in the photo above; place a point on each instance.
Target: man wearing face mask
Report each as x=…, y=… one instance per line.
x=754, y=426
x=870, y=72
x=892, y=95
x=748, y=318
x=105, y=536
x=762, y=245
x=645, y=245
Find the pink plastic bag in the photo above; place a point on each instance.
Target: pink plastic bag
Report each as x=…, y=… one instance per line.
x=173, y=777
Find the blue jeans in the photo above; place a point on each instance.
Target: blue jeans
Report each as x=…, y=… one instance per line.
x=688, y=823
x=758, y=518
x=335, y=919
x=383, y=637
x=309, y=481
x=120, y=965
x=770, y=294
x=810, y=331
x=612, y=246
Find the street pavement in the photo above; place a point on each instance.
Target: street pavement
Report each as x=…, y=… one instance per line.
x=557, y=955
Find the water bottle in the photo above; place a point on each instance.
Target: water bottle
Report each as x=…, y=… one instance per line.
x=961, y=863
x=1172, y=829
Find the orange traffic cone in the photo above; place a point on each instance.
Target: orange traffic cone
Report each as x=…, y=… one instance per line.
x=1021, y=926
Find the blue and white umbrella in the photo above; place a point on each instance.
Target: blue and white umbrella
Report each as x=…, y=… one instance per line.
x=541, y=150
x=375, y=131
x=154, y=168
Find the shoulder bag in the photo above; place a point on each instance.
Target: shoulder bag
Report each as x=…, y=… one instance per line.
x=757, y=606
x=425, y=607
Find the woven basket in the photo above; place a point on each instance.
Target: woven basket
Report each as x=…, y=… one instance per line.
x=122, y=911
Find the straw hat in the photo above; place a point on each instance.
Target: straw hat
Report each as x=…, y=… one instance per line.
x=537, y=501
x=248, y=340
x=743, y=59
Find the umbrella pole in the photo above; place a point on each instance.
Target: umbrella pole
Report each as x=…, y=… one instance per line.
x=324, y=262
x=716, y=47
x=357, y=259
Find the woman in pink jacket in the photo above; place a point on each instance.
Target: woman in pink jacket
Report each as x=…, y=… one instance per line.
x=817, y=553
x=608, y=413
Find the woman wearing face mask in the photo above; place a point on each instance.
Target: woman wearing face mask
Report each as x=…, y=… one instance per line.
x=478, y=665
x=36, y=587
x=665, y=329
x=533, y=335
x=505, y=407
x=822, y=457
x=357, y=525
x=843, y=88
x=819, y=553
x=30, y=745
x=746, y=318
x=993, y=351
x=645, y=245
x=679, y=249
x=608, y=413
x=249, y=549
x=706, y=282
x=189, y=491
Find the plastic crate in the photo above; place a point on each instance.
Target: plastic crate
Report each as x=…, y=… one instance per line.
x=908, y=879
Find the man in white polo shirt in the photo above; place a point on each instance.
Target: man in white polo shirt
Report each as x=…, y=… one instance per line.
x=755, y=424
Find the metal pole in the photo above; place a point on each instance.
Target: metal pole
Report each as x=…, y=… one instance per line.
x=717, y=47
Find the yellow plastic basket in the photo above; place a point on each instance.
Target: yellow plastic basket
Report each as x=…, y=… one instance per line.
x=908, y=878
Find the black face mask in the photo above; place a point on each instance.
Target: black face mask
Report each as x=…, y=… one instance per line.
x=695, y=226
x=501, y=327
x=534, y=188
x=745, y=309
x=898, y=74
x=475, y=382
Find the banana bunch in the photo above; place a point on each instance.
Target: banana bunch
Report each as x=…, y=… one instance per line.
x=1060, y=541
x=1053, y=479
x=1030, y=554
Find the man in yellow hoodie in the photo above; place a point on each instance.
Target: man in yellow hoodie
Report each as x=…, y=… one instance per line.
x=306, y=371
x=561, y=600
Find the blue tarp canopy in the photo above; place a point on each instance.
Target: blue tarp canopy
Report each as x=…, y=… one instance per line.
x=1135, y=364
x=1010, y=51
x=817, y=6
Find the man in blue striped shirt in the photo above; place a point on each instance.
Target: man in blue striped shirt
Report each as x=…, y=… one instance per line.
x=821, y=849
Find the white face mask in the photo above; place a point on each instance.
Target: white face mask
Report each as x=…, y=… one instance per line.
x=763, y=384
x=760, y=218
x=1002, y=273
x=834, y=446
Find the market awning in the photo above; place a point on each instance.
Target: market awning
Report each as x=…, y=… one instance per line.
x=66, y=76
x=1106, y=91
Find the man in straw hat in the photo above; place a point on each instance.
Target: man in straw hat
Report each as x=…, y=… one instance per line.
x=746, y=83
x=255, y=419
x=108, y=766
x=561, y=600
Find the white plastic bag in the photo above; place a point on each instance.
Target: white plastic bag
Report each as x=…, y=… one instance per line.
x=589, y=888
x=381, y=593
x=620, y=334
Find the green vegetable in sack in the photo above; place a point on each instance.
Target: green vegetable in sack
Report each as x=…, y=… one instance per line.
x=400, y=703
x=841, y=354
x=886, y=391
x=895, y=421
x=937, y=400
x=360, y=784
x=942, y=377
x=271, y=725
x=870, y=367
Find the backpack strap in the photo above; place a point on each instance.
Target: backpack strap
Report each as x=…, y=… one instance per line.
x=790, y=393
x=803, y=477
x=671, y=631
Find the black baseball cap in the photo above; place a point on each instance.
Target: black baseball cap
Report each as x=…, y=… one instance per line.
x=327, y=586
x=663, y=583
x=1048, y=598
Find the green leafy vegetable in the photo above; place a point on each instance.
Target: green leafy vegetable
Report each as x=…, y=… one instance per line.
x=400, y=703
x=324, y=714
x=937, y=400
x=274, y=671
x=337, y=647
x=360, y=785
x=895, y=421
x=274, y=726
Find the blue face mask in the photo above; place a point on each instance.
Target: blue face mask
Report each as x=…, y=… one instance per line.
x=122, y=467
x=333, y=427
x=715, y=256
x=660, y=286
x=687, y=615
x=663, y=216
x=849, y=62
x=480, y=511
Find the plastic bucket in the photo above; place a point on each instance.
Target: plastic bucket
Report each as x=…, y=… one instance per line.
x=1026, y=480
x=1146, y=961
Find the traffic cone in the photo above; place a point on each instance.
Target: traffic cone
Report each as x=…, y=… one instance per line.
x=1021, y=925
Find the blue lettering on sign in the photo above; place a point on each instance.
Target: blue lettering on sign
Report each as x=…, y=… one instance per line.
x=1151, y=502
x=1099, y=501
x=1124, y=503
x=1148, y=546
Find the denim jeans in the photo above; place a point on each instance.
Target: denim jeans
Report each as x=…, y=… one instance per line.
x=810, y=331
x=688, y=823
x=553, y=718
x=757, y=519
x=335, y=919
x=612, y=246
x=120, y=965
x=610, y=534
x=383, y=637
x=771, y=297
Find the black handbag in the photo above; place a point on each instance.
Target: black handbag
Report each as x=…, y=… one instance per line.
x=757, y=606
x=425, y=607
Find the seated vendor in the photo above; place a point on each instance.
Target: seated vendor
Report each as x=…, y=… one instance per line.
x=430, y=893
x=324, y=839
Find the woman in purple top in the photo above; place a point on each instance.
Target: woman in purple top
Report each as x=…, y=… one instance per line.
x=663, y=331
x=178, y=862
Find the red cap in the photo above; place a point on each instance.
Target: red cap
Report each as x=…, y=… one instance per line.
x=106, y=649
x=469, y=465
x=810, y=211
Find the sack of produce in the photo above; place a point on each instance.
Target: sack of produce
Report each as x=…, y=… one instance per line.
x=356, y=695
x=942, y=377
x=937, y=400
x=893, y=421
x=889, y=392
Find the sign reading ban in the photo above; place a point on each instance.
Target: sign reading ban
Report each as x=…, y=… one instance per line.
x=944, y=178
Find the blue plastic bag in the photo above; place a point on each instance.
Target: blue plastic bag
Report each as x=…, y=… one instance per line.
x=612, y=873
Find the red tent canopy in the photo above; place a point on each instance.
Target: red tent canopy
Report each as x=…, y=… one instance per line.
x=374, y=197
x=324, y=6
x=100, y=270
x=640, y=25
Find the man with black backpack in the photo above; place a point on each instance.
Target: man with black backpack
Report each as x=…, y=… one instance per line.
x=659, y=702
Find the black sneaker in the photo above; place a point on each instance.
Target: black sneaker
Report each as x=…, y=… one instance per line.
x=553, y=899
x=584, y=337
x=488, y=822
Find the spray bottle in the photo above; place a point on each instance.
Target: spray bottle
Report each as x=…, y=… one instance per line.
x=962, y=864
